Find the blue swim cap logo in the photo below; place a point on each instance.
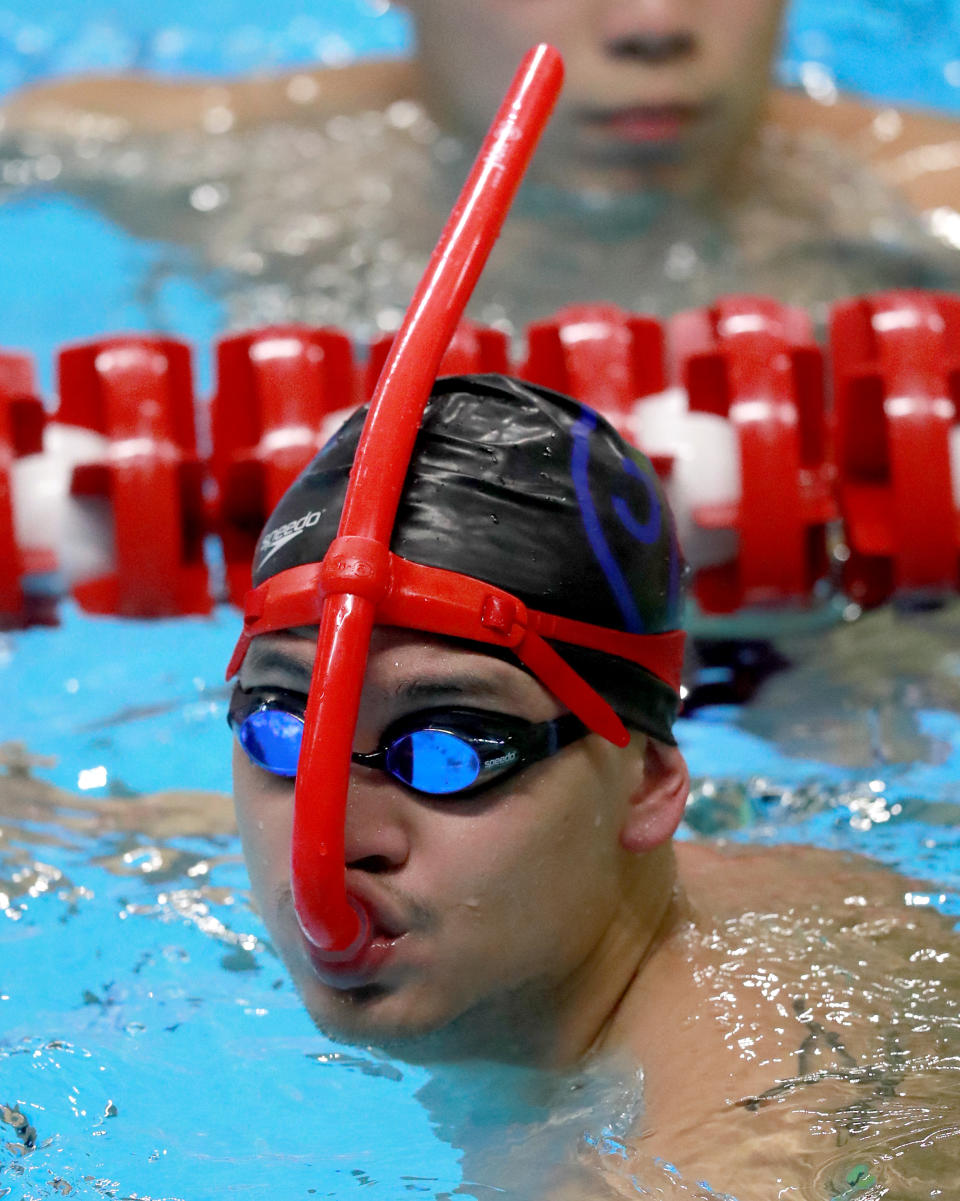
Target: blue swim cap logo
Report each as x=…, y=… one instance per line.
x=645, y=531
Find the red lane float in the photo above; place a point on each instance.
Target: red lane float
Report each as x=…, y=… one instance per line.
x=727, y=401
x=755, y=363
x=598, y=353
x=280, y=392
x=473, y=349
x=896, y=386
x=137, y=393
x=21, y=434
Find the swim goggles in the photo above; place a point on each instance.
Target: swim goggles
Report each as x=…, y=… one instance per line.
x=437, y=752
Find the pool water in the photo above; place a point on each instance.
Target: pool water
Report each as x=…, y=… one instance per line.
x=151, y=1045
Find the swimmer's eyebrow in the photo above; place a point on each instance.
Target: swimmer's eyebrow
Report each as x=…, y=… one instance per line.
x=451, y=687
x=286, y=670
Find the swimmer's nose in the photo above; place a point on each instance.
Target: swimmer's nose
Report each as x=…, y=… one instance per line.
x=653, y=49
x=376, y=838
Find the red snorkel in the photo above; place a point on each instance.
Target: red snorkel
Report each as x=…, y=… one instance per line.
x=354, y=573
x=361, y=582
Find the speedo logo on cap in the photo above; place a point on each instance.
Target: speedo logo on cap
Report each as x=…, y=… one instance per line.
x=286, y=533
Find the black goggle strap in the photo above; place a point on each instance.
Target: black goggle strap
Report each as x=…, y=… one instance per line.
x=548, y=737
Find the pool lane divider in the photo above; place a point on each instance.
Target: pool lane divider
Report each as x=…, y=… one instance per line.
x=796, y=471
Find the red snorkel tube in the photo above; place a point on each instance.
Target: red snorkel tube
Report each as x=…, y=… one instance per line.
x=355, y=570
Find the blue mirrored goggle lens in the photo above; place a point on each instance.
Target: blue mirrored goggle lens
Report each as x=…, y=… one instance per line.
x=433, y=761
x=272, y=737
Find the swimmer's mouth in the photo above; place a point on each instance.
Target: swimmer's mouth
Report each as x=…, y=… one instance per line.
x=646, y=124
x=361, y=969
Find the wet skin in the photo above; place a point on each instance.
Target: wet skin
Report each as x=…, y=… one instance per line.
x=650, y=191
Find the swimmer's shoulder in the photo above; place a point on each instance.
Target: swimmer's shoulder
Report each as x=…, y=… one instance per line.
x=143, y=104
x=762, y=909
x=726, y=879
x=917, y=151
x=753, y=1013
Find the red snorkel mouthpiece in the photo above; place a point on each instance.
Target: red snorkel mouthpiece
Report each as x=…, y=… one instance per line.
x=356, y=572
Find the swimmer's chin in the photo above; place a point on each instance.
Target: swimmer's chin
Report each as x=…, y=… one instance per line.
x=405, y=1021
x=376, y=1015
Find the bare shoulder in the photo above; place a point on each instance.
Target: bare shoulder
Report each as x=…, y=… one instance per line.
x=150, y=105
x=916, y=150
x=830, y=929
x=797, y=979
x=728, y=879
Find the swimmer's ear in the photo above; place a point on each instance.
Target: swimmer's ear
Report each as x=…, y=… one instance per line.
x=658, y=798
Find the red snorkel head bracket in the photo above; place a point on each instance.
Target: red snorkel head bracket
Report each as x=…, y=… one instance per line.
x=360, y=582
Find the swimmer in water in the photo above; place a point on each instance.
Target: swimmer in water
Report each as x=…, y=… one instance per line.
x=671, y=173
x=528, y=905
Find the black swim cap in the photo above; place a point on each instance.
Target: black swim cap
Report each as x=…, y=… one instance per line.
x=529, y=491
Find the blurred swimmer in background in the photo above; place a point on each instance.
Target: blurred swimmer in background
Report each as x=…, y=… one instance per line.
x=672, y=172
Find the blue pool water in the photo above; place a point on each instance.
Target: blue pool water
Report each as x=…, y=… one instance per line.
x=147, y=1030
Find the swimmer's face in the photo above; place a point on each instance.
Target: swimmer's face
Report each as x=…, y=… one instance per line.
x=494, y=905
x=658, y=92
